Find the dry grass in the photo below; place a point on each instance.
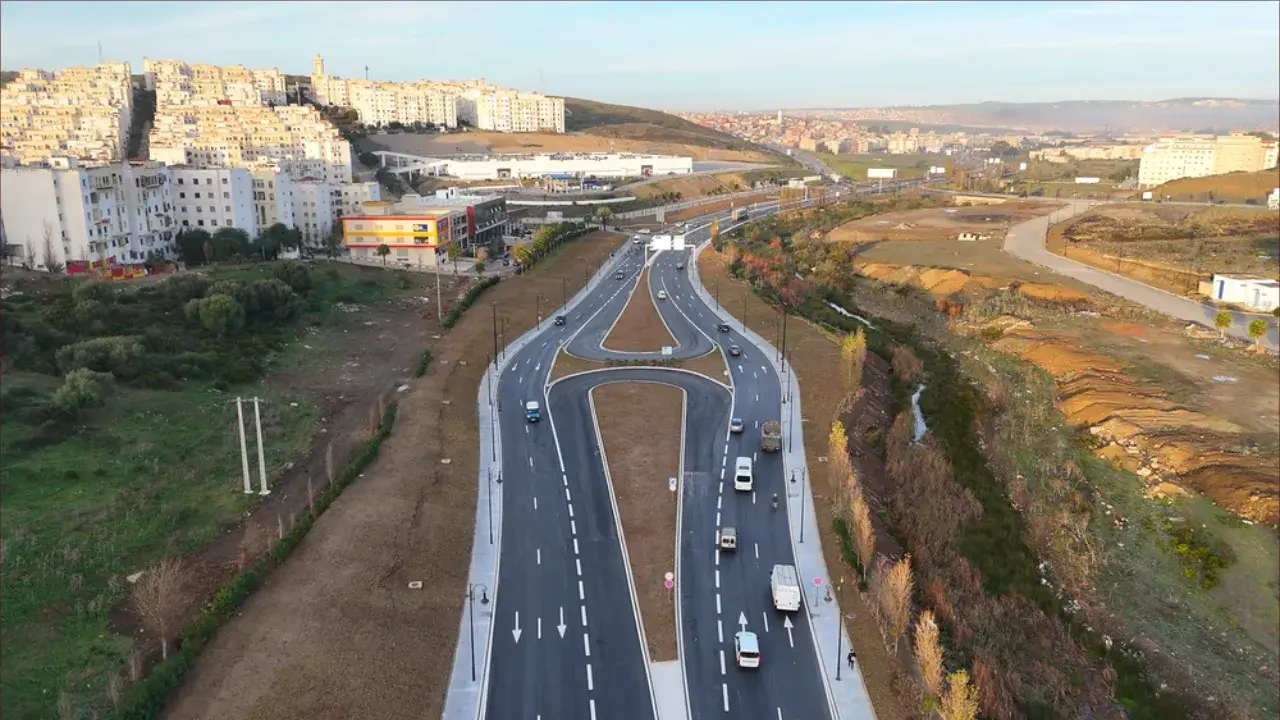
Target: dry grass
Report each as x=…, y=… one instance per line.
x=640, y=327
x=335, y=633
x=815, y=358
x=718, y=206
x=1232, y=186
x=940, y=223
x=646, y=507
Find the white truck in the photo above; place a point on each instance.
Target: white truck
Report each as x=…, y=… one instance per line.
x=742, y=478
x=785, y=582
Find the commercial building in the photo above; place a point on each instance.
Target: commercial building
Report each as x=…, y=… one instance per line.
x=1100, y=151
x=1172, y=158
x=179, y=83
x=297, y=137
x=580, y=165
x=417, y=228
x=1262, y=294
x=65, y=212
x=78, y=112
x=443, y=103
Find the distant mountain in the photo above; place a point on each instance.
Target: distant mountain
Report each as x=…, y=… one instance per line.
x=1180, y=115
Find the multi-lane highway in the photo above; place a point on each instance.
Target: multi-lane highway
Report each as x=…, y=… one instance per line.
x=565, y=635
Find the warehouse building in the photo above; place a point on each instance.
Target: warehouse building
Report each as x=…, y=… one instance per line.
x=578, y=165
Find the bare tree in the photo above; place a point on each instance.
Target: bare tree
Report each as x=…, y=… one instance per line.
x=157, y=598
x=929, y=653
x=838, y=460
x=49, y=259
x=960, y=702
x=905, y=364
x=893, y=598
x=864, y=537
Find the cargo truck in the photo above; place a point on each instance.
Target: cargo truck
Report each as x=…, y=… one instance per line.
x=785, y=583
x=532, y=412
x=738, y=215
x=771, y=436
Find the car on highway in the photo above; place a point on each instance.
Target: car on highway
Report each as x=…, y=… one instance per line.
x=618, y=275
x=734, y=350
x=722, y=327
x=735, y=425
x=532, y=412
x=662, y=294
x=559, y=319
x=747, y=648
x=679, y=266
x=727, y=538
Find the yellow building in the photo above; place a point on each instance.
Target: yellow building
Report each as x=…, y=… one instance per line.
x=413, y=240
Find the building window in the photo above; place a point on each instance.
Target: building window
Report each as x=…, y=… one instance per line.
x=200, y=223
x=228, y=208
x=182, y=195
x=197, y=196
x=226, y=194
x=179, y=182
x=224, y=180
x=208, y=181
x=183, y=208
x=213, y=222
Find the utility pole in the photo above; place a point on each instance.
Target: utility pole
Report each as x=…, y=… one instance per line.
x=262, y=463
x=366, y=73
x=244, y=450
x=439, y=307
x=494, y=305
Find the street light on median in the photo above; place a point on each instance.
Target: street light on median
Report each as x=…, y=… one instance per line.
x=471, y=615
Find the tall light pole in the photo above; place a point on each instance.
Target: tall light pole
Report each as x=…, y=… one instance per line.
x=564, y=292
x=494, y=305
x=471, y=617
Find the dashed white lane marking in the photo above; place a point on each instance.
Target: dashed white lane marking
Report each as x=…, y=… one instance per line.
x=531, y=461
x=586, y=644
x=717, y=519
x=582, y=591
x=755, y=457
x=757, y=397
x=753, y=497
x=584, y=616
x=593, y=710
x=723, y=669
x=573, y=528
x=757, y=551
x=719, y=500
x=717, y=556
x=720, y=630
x=765, y=615
x=539, y=628
x=535, y=503
x=722, y=473
x=570, y=511
x=591, y=685
x=717, y=579
x=717, y=603
x=579, y=564
x=539, y=556
x=724, y=690
x=567, y=496
x=575, y=546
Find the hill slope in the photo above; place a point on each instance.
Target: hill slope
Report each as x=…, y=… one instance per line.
x=1232, y=187
x=633, y=123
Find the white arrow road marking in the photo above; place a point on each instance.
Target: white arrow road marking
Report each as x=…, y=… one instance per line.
x=742, y=620
x=786, y=623
x=561, y=627
x=516, y=632
x=539, y=365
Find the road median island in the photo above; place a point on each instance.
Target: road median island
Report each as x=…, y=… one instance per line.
x=640, y=327
x=710, y=365
x=640, y=425
x=343, y=605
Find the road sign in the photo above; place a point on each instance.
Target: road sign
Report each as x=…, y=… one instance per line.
x=671, y=484
x=670, y=576
x=817, y=582
x=669, y=583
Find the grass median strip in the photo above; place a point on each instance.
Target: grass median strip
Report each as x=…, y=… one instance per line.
x=640, y=424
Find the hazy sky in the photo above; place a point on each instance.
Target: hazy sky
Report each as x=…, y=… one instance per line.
x=695, y=55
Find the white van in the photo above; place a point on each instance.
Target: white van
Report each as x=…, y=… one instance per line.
x=785, y=582
x=742, y=474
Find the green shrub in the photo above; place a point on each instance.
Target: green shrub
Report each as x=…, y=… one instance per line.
x=81, y=390
x=467, y=301
x=423, y=364
x=1201, y=556
x=117, y=355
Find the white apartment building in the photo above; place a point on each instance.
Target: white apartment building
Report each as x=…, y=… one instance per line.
x=1171, y=158
x=213, y=198
x=272, y=198
x=315, y=206
x=179, y=83
x=77, y=112
x=446, y=103
x=67, y=212
x=247, y=136
x=353, y=196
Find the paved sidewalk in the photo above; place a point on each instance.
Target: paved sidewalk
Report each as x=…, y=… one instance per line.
x=466, y=697
x=845, y=687
x=1027, y=241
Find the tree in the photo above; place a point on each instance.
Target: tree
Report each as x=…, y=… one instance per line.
x=929, y=653
x=1222, y=321
x=838, y=455
x=82, y=389
x=853, y=351
x=383, y=251
x=905, y=363
x=860, y=527
x=453, y=251
x=191, y=242
x=603, y=215
x=893, y=586
x=960, y=702
x=157, y=598
x=229, y=242
x=1257, y=331
x=221, y=314
x=333, y=243
x=50, y=260
x=479, y=268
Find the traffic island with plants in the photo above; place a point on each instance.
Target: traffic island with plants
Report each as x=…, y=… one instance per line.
x=1042, y=568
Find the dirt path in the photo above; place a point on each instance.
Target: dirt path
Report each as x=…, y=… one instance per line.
x=639, y=470
x=336, y=632
x=640, y=327
x=816, y=358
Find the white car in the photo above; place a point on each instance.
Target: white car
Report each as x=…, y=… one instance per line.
x=662, y=294
x=747, y=647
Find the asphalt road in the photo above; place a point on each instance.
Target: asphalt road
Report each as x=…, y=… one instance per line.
x=566, y=642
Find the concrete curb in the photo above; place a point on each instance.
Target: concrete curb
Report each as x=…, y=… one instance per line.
x=847, y=699
x=467, y=699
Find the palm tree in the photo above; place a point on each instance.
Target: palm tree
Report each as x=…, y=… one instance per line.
x=383, y=251
x=602, y=216
x=1222, y=321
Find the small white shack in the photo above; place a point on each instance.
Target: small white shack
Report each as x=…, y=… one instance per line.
x=1262, y=294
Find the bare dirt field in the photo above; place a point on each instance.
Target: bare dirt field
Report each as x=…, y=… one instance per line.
x=1233, y=187
x=640, y=327
x=1170, y=246
x=646, y=507
x=719, y=206
x=941, y=223
x=816, y=358
x=335, y=632
x=534, y=143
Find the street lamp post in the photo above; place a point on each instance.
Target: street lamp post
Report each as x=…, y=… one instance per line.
x=471, y=618
x=839, y=637
x=494, y=305
x=804, y=476
x=564, y=292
